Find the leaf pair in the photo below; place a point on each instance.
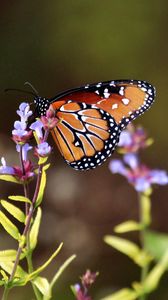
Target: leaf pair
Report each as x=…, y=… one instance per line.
x=15, y=212
x=43, y=284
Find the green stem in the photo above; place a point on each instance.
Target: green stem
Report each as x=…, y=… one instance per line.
x=144, y=216
x=5, y=293
x=30, y=268
x=144, y=270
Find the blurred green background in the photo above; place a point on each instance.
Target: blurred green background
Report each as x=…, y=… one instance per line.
x=62, y=44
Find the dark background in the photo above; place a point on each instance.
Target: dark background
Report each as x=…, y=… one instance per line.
x=62, y=44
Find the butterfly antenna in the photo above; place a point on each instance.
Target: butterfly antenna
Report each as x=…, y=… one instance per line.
x=20, y=90
x=32, y=87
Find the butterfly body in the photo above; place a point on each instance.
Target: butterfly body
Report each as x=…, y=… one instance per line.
x=92, y=117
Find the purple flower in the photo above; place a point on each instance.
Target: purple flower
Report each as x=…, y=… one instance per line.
x=88, y=278
x=37, y=127
x=80, y=294
x=81, y=291
x=132, y=140
x=20, y=132
x=25, y=148
x=24, y=111
x=125, y=139
x=43, y=149
x=4, y=169
x=139, y=175
x=19, y=129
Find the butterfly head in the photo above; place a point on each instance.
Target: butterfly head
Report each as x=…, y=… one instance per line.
x=42, y=105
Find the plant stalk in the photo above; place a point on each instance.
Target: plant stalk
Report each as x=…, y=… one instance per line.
x=27, y=226
x=143, y=218
x=5, y=293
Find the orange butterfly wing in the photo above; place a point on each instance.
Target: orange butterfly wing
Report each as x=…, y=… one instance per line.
x=85, y=135
x=122, y=99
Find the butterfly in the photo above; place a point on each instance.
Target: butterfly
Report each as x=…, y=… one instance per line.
x=91, y=118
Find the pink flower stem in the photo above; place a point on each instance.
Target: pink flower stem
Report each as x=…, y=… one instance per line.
x=25, y=186
x=29, y=217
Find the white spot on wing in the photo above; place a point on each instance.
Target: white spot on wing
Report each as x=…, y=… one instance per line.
x=112, y=83
x=121, y=91
x=125, y=101
x=114, y=106
x=106, y=94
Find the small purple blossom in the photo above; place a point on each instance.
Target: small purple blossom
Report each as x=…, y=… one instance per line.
x=20, y=132
x=4, y=169
x=133, y=139
x=25, y=148
x=79, y=293
x=43, y=149
x=81, y=290
x=125, y=139
x=24, y=111
x=88, y=278
x=16, y=171
x=37, y=127
x=19, y=129
x=139, y=175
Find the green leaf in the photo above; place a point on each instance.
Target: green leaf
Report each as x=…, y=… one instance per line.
x=46, y=167
x=19, y=281
x=42, y=284
x=20, y=199
x=2, y=283
x=72, y=287
x=40, y=269
x=61, y=270
x=130, y=249
x=153, y=278
x=128, y=226
x=9, y=178
x=9, y=226
x=124, y=294
x=35, y=229
x=41, y=189
x=8, y=267
x=4, y=276
x=9, y=255
x=42, y=160
x=156, y=243
x=14, y=211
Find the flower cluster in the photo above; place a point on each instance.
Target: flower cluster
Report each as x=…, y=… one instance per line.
x=132, y=140
x=22, y=134
x=43, y=149
x=81, y=290
x=138, y=174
